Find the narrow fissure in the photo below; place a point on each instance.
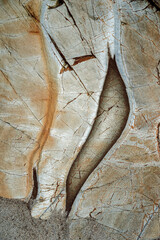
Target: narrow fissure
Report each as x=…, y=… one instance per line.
x=111, y=119
x=35, y=185
x=34, y=190
x=158, y=137
x=155, y=4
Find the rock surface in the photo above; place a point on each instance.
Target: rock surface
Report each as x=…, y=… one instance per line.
x=80, y=105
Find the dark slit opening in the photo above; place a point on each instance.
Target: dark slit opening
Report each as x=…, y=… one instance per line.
x=35, y=185
x=76, y=177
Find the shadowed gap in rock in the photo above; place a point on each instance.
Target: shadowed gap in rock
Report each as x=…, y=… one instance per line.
x=111, y=119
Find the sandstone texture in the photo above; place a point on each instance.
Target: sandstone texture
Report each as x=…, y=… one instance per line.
x=80, y=112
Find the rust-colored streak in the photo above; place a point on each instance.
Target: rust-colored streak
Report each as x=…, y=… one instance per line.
x=77, y=60
x=82, y=59
x=34, y=32
x=50, y=109
x=63, y=69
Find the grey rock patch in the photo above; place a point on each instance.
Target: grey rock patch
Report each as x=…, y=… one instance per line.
x=17, y=223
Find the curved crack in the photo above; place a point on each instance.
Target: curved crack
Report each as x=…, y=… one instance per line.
x=105, y=132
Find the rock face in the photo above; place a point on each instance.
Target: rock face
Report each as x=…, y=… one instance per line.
x=80, y=107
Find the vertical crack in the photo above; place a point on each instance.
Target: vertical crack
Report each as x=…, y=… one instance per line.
x=70, y=14
x=158, y=138
x=158, y=72
x=74, y=22
x=35, y=184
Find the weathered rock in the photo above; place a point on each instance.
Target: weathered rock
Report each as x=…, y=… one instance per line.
x=24, y=98
x=83, y=65
x=64, y=107
x=75, y=67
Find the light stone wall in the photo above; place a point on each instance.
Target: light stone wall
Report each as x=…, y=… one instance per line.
x=80, y=108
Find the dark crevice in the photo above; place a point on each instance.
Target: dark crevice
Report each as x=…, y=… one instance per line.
x=58, y=4
x=70, y=14
x=158, y=137
x=35, y=185
x=155, y=3
x=34, y=190
x=74, y=22
x=73, y=188
x=158, y=72
x=60, y=53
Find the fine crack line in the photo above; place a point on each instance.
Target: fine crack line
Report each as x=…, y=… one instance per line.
x=148, y=221
x=72, y=100
x=57, y=197
x=16, y=128
x=60, y=53
x=81, y=36
x=70, y=14
x=24, y=103
x=69, y=66
x=13, y=174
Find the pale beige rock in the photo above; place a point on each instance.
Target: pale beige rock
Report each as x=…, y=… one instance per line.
x=24, y=98
x=54, y=62
x=76, y=66
x=83, y=64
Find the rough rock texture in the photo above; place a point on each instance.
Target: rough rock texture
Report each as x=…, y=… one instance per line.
x=68, y=89
x=80, y=105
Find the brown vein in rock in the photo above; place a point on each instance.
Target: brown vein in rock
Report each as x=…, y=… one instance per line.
x=82, y=59
x=51, y=106
x=50, y=109
x=69, y=67
x=77, y=60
